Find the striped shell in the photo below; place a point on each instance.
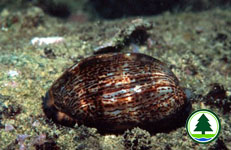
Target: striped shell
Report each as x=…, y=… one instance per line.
x=114, y=92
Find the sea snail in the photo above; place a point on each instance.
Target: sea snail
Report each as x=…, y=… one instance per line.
x=118, y=91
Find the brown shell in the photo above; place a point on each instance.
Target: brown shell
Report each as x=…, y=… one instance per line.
x=114, y=92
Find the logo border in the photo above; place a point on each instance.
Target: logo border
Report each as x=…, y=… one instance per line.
x=219, y=123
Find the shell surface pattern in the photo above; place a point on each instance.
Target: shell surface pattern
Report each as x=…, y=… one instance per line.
x=117, y=91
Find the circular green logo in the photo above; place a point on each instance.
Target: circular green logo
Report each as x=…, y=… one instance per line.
x=203, y=126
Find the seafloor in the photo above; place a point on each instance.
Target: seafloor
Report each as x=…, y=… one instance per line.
x=196, y=46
